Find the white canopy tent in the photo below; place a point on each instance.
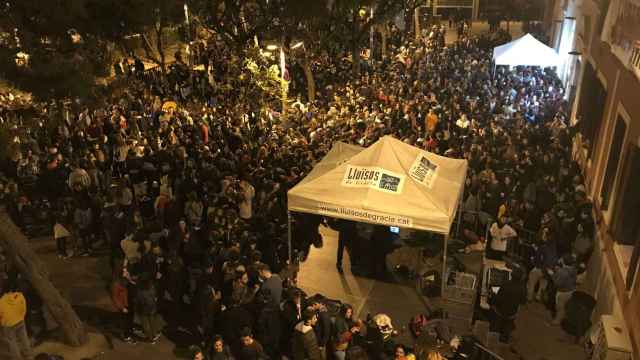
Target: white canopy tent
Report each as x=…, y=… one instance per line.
x=527, y=51
x=339, y=153
x=389, y=183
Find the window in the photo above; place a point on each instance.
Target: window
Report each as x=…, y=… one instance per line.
x=593, y=98
x=632, y=273
x=625, y=224
x=612, y=164
x=625, y=220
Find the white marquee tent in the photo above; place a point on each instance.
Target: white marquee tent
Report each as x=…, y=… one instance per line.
x=339, y=153
x=389, y=183
x=527, y=51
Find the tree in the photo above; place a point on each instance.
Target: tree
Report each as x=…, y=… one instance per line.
x=239, y=21
x=116, y=19
x=352, y=20
x=306, y=23
x=63, y=59
x=15, y=244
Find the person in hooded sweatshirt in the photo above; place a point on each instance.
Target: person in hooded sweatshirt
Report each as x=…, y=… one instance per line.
x=13, y=308
x=304, y=344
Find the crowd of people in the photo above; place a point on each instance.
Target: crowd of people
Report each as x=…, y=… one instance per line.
x=189, y=197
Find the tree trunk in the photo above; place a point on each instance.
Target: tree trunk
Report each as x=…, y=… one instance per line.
x=148, y=49
x=311, y=82
x=384, y=41
x=27, y=262
x=416, y=22
x=160, y=47
x=355, y=57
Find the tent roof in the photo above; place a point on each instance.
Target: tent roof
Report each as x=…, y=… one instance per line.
x=389, y=183
x=526, y=50
x=338, y=154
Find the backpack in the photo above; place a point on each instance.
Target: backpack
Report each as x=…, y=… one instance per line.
x=417, y=324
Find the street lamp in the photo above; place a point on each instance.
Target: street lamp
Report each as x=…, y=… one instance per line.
x=283, y=82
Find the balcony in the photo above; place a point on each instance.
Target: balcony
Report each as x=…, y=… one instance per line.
x=454, y=3
x=622, y=33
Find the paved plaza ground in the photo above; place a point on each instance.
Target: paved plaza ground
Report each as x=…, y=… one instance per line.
x=85, y=282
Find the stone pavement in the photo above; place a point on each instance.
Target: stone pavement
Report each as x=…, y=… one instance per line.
x=534, y=338
x=85, y=282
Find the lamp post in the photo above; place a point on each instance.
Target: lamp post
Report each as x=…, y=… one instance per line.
x=283, y=81
x=371, y=37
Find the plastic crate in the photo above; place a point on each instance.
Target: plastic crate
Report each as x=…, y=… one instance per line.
x=461, y=287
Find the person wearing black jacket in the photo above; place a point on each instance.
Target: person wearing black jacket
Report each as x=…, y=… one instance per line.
x=322, y=327
x=147, y=309
x=233, y=320
x=304, y=344
x=218, y=350
x=268, y=324
x=506, y=304
x=291, y=316
x=346, y=231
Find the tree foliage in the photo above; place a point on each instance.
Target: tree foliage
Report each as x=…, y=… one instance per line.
x=64, y=57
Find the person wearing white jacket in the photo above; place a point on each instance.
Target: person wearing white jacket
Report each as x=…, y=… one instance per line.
x=501, y=233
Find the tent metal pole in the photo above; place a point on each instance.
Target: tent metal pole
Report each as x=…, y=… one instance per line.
x=444, y=265
x=459, y=215
x=289, y=236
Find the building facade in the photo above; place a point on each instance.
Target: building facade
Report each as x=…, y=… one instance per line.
x=600, y=40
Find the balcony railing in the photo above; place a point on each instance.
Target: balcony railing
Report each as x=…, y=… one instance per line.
x=634, y=61
x=455, y=3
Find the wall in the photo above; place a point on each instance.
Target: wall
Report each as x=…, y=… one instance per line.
x=605, y=280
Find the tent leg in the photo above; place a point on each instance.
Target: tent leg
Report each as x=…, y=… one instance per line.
x=459, y=215
x=289, y=237
x=444, y=265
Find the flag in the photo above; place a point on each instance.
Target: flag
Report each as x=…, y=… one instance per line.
x=283, y=66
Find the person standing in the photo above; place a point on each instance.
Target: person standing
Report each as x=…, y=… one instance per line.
x=501, y=233
x=564, y=278
x=147, y=310
x=346, y=231
x=249, y=348
x=545, y=258
x=291, y=316
x=431, y=121
x=304, y=345
x=13, y=308
x=506, y=303
x=219, y=350
x=271, y=282
x=83, y=219
x=120, y=299
x=248, y=192
x=344, y=329
x=196, y=353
